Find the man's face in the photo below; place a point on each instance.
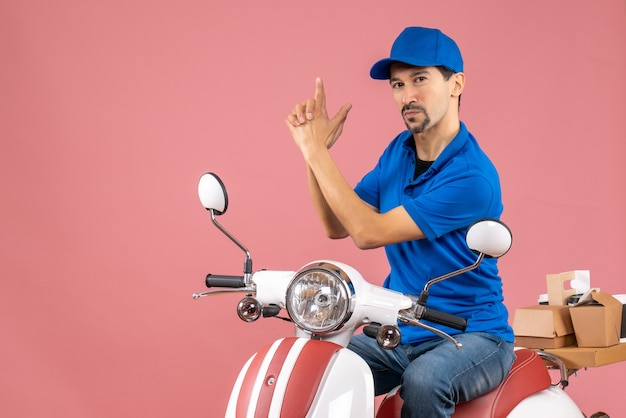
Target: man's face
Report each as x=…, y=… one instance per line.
x=422, y=94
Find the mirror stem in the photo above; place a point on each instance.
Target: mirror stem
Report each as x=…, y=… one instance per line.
x=247, y=265
x=452, y=274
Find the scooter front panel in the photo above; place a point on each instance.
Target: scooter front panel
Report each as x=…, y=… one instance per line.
x=251, y=390
x=282, y=379
x=305, y=378
x=347, y=389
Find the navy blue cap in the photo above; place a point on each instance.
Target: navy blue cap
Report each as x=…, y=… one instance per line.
x=420, y=47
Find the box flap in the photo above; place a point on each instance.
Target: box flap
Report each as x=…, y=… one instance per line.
x=606, y=300
x=602, y=298
x=597, y=320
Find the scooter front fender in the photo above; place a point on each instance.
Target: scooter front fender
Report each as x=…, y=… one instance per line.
x=302, y=377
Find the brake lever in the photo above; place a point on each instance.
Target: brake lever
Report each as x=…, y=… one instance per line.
x=196, y=296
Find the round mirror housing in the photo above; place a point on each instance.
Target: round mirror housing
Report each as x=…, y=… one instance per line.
x=212, y=193
x=490, y=237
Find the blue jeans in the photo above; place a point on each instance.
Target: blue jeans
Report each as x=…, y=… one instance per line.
x=435, y=375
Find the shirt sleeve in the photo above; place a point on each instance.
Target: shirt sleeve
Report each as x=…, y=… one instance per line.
x=453, y=205
x=368, y=190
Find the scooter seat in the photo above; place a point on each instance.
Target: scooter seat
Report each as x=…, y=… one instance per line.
x=528, y=375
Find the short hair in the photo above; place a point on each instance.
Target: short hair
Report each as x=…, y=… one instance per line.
x=447, y=73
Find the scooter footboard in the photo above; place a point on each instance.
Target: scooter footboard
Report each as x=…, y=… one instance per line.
x=301, y=377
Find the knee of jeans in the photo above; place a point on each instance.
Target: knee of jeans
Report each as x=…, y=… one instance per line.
x=422, y=382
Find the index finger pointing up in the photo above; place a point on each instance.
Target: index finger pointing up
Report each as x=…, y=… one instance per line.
x=320, y=97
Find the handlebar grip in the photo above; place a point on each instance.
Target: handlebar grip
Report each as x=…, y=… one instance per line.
x=443, y=318
x=371, y=330
x=216, y=280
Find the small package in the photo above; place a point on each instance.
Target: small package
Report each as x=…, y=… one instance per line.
x=597, y=319
x=543, y=326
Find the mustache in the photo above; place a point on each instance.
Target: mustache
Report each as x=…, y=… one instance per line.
x=412, y=106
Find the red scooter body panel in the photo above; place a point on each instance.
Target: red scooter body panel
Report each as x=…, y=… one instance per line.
x=304, y=377
x=528, y=375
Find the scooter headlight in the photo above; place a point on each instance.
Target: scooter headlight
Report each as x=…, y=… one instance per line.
x=319, y=298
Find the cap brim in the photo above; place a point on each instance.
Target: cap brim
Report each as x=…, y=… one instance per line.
x=381, y=70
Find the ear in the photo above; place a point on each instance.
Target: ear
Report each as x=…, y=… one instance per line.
x=458, y=84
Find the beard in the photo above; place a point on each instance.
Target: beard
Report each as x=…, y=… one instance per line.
x=415, y=129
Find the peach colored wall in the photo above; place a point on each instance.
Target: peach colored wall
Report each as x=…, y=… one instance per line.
x=111, y=110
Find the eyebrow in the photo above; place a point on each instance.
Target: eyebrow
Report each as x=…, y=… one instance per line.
x=415, y=73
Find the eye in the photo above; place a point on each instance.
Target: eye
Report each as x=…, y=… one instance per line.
x=420, y=79
x=397, y=85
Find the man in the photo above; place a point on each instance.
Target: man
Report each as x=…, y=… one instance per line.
x=430, y=184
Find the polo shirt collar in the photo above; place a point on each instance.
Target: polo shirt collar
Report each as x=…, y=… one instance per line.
x=452, y=149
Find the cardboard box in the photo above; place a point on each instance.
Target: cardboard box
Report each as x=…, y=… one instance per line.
x=622, y=300
x=543, y=326
x=544, y=343
x=581, y=357
x=563, y=285
x=597, y=320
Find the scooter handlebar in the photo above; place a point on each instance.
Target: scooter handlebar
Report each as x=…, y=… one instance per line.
x=443, y=318
x=216, y=280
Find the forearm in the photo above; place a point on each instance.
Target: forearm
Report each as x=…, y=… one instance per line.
x=352, y=214
x=332, y=226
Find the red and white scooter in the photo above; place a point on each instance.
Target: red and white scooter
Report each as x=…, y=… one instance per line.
x=312, y=374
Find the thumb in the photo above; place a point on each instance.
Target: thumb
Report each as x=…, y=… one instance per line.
x=342, y=114
x=337, y=124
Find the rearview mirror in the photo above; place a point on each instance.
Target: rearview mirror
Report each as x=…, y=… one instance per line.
x=212, y=193
x=490, y=237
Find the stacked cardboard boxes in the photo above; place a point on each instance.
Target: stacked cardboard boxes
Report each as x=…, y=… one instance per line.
x=584, y=334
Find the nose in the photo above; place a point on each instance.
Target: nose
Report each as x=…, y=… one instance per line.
x=408, y=95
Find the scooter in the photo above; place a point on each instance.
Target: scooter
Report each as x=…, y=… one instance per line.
x=313, y=374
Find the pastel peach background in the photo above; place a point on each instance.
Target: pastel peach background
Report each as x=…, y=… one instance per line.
x=111, y=110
